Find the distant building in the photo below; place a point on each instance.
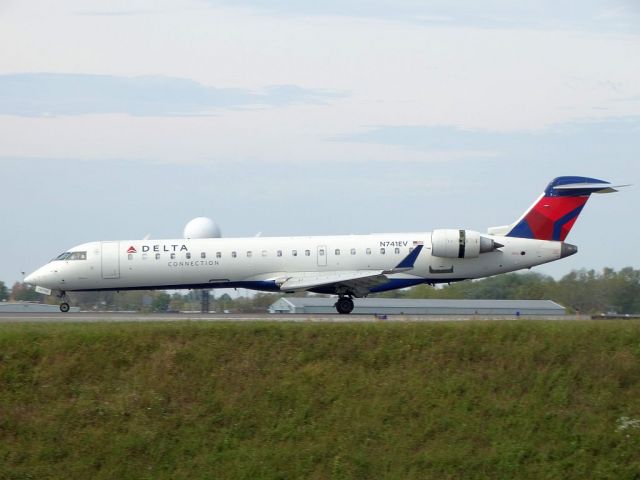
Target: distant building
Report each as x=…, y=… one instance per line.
x=400, y=306
x=31, y=307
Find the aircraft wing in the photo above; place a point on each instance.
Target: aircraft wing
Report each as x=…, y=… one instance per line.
x=355, y=282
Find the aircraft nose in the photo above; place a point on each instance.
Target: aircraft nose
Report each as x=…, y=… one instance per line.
x=30, y=279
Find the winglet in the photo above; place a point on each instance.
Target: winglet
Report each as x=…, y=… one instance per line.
x=408, y=261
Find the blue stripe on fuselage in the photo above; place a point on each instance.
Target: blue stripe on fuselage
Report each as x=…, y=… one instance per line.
x=271, y=286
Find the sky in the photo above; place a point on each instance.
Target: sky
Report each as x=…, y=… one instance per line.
x=125, y=119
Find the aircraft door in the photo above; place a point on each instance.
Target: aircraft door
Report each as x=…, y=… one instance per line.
x=110, y=260
x=322, y=256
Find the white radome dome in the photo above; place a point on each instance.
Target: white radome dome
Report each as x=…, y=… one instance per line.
x=202, y=227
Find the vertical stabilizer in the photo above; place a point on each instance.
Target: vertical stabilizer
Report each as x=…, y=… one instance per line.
x=555, y=212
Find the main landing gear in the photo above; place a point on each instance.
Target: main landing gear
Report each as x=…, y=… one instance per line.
x=344, y=305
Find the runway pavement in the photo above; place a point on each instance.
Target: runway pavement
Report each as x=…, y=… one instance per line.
x=89, y=317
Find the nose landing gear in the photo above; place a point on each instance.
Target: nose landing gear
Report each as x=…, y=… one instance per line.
x=64, y=305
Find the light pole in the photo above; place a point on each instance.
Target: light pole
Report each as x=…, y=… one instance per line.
x=204, y=302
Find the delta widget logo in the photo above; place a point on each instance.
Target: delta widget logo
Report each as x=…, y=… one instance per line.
x=132, y=249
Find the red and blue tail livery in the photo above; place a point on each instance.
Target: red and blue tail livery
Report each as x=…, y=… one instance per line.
x=553, y=215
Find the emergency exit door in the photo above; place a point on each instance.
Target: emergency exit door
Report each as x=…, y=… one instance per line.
x=110, y=260
x=322, y=256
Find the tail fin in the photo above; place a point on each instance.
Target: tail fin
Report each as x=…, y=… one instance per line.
x=555, y=212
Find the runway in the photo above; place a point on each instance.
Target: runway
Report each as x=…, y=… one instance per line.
x=93, y=317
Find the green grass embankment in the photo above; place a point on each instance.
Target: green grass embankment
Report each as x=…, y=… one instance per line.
x=279, y=401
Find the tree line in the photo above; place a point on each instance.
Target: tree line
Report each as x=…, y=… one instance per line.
x=580, y=291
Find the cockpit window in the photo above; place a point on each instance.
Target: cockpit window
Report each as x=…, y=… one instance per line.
x=72, y=256
x=77, y=256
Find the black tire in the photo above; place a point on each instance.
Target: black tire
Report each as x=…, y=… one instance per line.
x=64, y=307
x=344, y=305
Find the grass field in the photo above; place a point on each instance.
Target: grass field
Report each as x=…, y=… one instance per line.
x=467, y=400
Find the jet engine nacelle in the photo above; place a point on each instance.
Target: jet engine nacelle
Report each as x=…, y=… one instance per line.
x=449, y=243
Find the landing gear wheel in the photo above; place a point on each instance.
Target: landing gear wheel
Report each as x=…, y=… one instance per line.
x=64, y=307
x=344, y=305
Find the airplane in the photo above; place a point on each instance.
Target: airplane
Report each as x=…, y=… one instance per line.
x=349, y=266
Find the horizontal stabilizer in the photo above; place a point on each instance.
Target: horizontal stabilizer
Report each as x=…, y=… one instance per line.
x=591, y=187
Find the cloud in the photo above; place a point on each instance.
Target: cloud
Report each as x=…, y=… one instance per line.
x=44, y=94
x=599, y=14
x=115, y=13
x=592, y=139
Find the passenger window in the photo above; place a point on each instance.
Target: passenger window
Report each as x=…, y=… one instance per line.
x=188, y=255
x=368, y=251
x=353, y=251
x=173, y=256
x=410, y=249
x=203, y=255
x=157, y=256
x=130, y=256
x=234, y=254
x=321, y=252
x=249, y=254
x=144, y=256
x=264, y=253
x=218, y=254
x=337, y=251
x=382, y=251
x=279, y=253
x=397, y=250
x=294, y=253
x=307, y=253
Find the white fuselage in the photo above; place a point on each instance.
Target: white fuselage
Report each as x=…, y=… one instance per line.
x=262, y=263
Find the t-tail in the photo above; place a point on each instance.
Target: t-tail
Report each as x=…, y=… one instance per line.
x=555, y=212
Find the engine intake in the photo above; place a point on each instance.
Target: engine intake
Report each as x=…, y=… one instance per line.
x=449, y=243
